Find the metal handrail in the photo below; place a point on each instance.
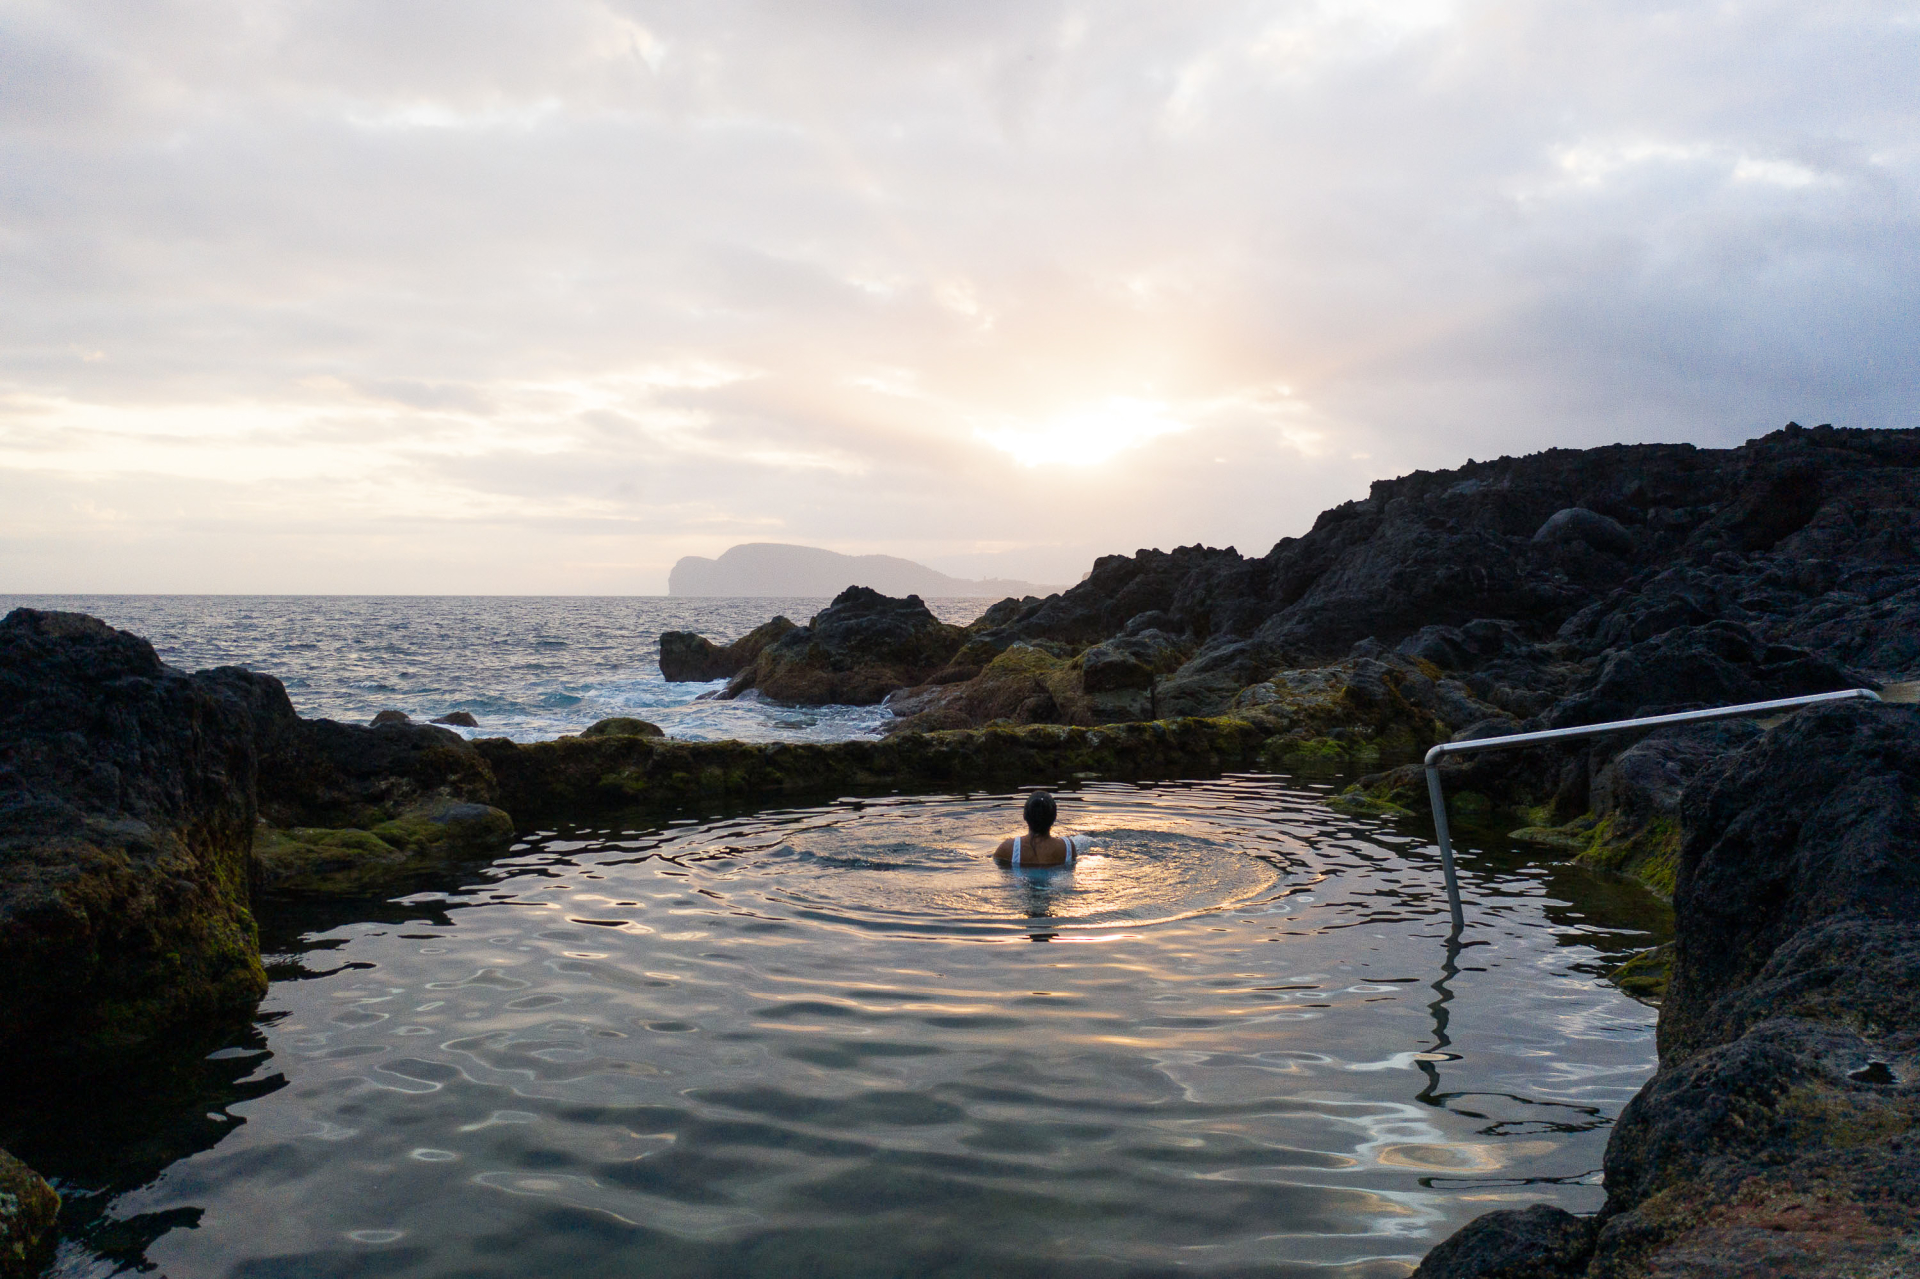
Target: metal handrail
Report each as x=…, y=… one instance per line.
x=1445, y=749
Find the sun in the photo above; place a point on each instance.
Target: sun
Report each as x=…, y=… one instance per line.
x=1085, y=436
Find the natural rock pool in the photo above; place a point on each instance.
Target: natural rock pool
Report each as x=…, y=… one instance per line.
x=840, y=1041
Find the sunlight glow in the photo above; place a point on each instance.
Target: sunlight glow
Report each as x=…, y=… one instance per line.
x=1085, y=437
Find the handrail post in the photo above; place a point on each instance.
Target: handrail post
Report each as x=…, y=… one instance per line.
x=1446, y=842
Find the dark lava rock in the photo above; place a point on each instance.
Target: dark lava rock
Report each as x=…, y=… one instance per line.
x=623, y=726
x=689, y=658
x=1796, y=848
x=28, y=1208
x=1541, y=1242
x=1778, y=1136
x=383, y=718
x=458, y=719
x=860, y=648
x=1614, y=544
x=126, y=822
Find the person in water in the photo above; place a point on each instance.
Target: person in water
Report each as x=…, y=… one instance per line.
x=1039, y=846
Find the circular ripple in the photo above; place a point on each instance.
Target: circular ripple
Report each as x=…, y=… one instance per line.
x=915, y=867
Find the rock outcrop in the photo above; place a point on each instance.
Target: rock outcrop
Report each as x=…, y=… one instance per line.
x=856, y=651
x=689, y=658
x=1781, y=1133
x=127, y=812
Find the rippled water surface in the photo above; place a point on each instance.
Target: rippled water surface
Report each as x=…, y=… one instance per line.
x=526, y=667
x=840, y=1041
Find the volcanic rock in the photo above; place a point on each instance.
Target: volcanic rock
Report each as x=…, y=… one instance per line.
x=623, y=726
x=856, y=651
x=458, y=719
x=126, y=820
x=689, y=658
x=1779, y=1134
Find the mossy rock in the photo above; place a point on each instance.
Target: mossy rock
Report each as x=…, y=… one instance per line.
x=1650, y=854
x=1380, y=801
x=316, y=861
x=28, y=1209
x=623, y=726
x=1645, y=975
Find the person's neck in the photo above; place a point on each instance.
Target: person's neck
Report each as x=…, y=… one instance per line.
x=1038, y=834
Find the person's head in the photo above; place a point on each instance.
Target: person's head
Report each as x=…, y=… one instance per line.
x=1040, y=811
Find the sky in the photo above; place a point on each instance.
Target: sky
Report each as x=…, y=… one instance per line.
x=426, y=296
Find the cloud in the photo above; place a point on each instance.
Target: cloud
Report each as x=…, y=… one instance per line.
x=528, y=297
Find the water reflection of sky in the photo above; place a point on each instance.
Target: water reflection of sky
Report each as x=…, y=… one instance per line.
x=824, y=1039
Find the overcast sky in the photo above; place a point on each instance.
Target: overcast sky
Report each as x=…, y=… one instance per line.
x=536, y=297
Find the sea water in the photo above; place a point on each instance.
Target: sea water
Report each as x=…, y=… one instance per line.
x=837, y=1040
x=530, y=668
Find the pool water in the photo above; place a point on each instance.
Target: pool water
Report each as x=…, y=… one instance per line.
x=1234, y=1040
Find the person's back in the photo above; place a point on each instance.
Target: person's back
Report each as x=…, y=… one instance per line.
x=1040, y=846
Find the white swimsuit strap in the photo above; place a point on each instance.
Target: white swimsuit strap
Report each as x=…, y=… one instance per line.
x=1016, y=850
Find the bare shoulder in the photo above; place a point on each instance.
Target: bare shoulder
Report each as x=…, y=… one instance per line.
x=1004, y=853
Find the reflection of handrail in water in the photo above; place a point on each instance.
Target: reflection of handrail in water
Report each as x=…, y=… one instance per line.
x=1445, y=749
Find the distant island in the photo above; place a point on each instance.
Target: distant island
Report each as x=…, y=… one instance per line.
x=775, y=568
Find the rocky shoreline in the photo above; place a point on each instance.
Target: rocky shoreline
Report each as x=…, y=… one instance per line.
x=146, y=807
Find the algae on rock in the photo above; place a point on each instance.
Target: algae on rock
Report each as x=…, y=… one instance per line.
x=28, y=1209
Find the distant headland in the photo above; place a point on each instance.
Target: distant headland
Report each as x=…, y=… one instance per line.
x=775, y=568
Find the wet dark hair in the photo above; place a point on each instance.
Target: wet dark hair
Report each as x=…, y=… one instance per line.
x=1040, y=811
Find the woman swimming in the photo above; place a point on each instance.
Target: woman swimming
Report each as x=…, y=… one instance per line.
x=1039, y=847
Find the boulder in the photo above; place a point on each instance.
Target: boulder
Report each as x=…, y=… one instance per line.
x=383, y=718
x=1578, y=524
x=623, y=726
x=1541, y=1242
x=126, y=819
x=689, y=658
x=28, y=1208
x=859, y=649
x=458, y=719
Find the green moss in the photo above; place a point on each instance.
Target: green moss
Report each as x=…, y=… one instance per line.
x=316, y=860
x=1380, y=801
x=1645, y=975
x=28, y=1209
x=1650, y=854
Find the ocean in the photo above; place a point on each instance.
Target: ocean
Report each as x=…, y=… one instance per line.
x=531, y=668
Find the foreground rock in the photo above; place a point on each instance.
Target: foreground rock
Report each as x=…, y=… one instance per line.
x=127, y=812
x=1778, y=1136
x=28, y=1207
x=856, y=651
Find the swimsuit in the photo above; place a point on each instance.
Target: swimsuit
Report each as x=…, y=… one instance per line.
x=1074, y=844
